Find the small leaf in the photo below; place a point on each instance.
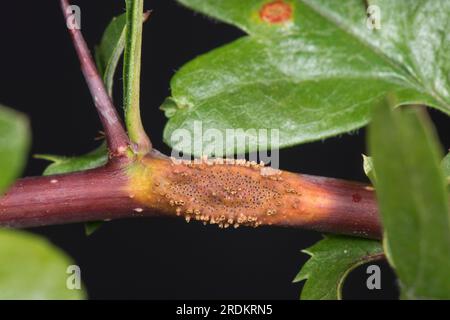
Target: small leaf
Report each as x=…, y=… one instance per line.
x=169, y=107
x=413, y=200
x=32, y=268
x=110, y=49
x=14, y=144
x=331, y=261
x=311, y=69
x=61, y=164
x=92, y=226
x=368, y=168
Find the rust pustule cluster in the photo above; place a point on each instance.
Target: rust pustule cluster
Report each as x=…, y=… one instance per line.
x=224, y=192
x=231, y=193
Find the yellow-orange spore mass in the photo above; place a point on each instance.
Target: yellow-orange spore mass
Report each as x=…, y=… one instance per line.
x=229, y=195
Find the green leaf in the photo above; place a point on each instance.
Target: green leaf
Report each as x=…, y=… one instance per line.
x=411, y=191
x=331, y=261
x=15, y=139
x=446, y=165
x=62, y=164
x=316, y=74
x=368, y=168
x=110, y=49
x=32, y=268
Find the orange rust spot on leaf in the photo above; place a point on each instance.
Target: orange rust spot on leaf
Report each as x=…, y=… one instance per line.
x=276, y=12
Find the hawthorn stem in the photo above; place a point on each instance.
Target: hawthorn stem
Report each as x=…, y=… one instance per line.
x=116, y=137
x=90, y=195
x=145, y=187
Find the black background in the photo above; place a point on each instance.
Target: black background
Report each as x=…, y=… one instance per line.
x=158, y=258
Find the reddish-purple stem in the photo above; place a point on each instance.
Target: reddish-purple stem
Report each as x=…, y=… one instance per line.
x=116, y=136
x=81, y=196
x=326, y=205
